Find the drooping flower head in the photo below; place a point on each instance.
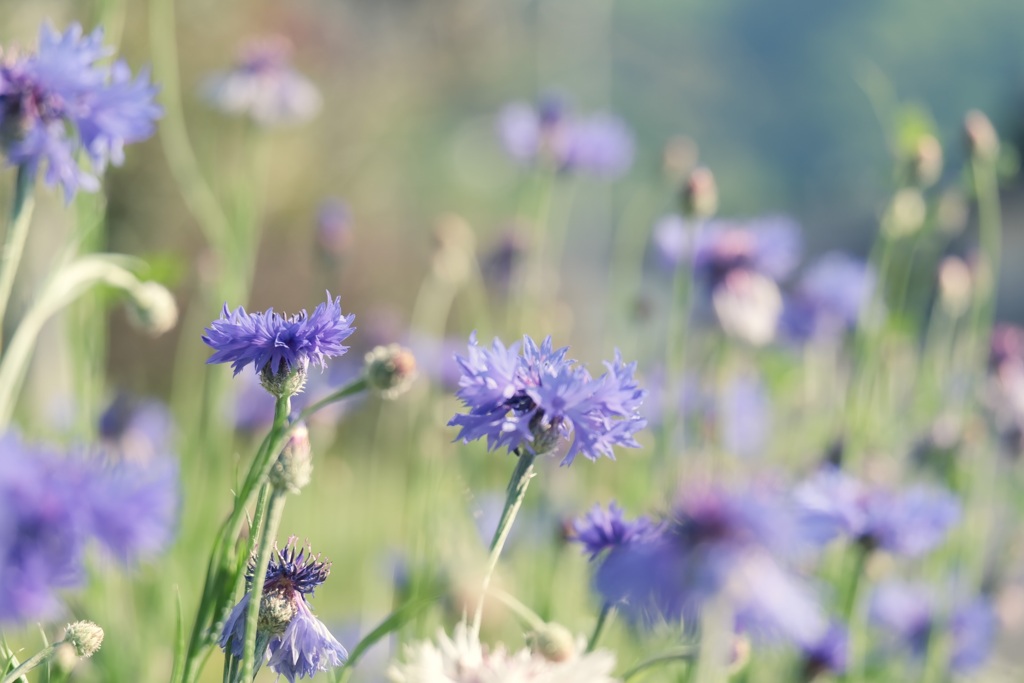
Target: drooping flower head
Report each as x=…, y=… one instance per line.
x=918, y=615
x=278, y=347
x=52, y=506
x=548, y=133
x=909, y=522
x=65, y=100
x=600, y=530
x=737, y=545
x=461, y=658
x=538, y=397
x=299, y=645
x=263, y=86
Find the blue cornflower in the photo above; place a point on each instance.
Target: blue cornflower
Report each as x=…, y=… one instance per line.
x=136, y=429
x=828, y=299
x=299, y=645
x=909, y=522
x=53, y=505
x=736, y=545
x=263, y=86
x=538, y=397
x=63, y=100
x=600, y=144
x=915, y=614
x=277, y=346
x=600, y=530
x=828, y=654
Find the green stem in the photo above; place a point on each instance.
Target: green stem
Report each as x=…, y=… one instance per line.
x=351, y=389
x=986, y=289
x=17, y=234
x=607, y=610
x=516, y=492
x=686, y=655
x=31, y=663
x=275, y=509
x=531, y=618
x=854, y=577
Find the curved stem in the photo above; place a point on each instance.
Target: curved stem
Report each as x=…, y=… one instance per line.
x=516, y=492
x=531, y=618
x=31, y=663
x=686, y=655
x=607, y=610
x=17, y=233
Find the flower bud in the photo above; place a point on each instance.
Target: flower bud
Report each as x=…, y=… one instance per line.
x=679, y=157
x=954, y=285
x=151, y=308
x=294, y=467
x=285, y=381
x=926, y=161
x=906, y=213
x=85, y=636
x=982, y=139
x=277, y=609
x=748, y=305
x=553, y=642
x=699, y=197
x=390, y=370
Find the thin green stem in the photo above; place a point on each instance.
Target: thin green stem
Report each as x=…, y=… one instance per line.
x=686, y=655
x=275, y=509
x=31, y=663
x=986, y=288
x=531, y=618
x=607, y=610
x=351, y=389
x=516, y=492
x=17, y=234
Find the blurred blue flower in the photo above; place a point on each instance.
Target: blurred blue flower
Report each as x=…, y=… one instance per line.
x=600, y=530
x=909, y=522
x=828, y=299
x=600, y=144
x=829, y=654
x=66, y=99
x=52, y=505
x=501, y=264
x=263, y=86
x=770, y=246
x=915, y=614
x=744, y=416
x=334, y=228
x=299, y=644
x=269, y=340
x=537, y=398
x=136, y=429
x=736, y=545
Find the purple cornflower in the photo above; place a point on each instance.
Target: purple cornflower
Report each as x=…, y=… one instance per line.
x=52, y=506
x=828, y=654
x=277, y=346
x=916, y=615
x=298, y=644
x=744, y=416
x=263, y=86
x=136, y=429
x=733, y=544
x=501, y=265
x=600, y=144
x=600, y=530
x=769, y=246
x=63, y=100
x=828, y=299
x=537, y=398
x=909, y=522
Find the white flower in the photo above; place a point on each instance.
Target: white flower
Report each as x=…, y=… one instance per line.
x=462, y=659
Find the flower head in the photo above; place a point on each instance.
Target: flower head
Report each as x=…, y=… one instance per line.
x=538, y=397
x=600, y=144
x=63, y=100
x=909, y=522
x=461, y=658
x=828, y=299
x=263, y=86
x=277, y=346
x=299, y=645
x=600, y=530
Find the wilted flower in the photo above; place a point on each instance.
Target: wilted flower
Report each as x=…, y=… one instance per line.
x=600, y=530
x=909, y=522
x=828, y=299
x=461, y=658
x=916, y=615
x=67, y=99
x=52, y=506
x=264, y=86
x=600, y=144
x=537, y=398
x=299, y=645
x=279, y=348
x=717, y=544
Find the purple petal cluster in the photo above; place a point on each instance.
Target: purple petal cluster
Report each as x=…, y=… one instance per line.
x=535, y=398
x=137, y=429
x=828, y=299
x=915, y=614
x=306, y=646
x=909, y=523
x=53, y=505
x=264, y=86
x=829, y=654
x=65, y=99
x=769, y=246
x=548, y=133
x=738, y=545
x=600, y=530
x=270, y=339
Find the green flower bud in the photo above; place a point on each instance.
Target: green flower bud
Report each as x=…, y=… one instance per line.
x=294, y=466
x=390, y=370
x=85, y=636
x=554, y=643
x=285, y=381
x=152, y=308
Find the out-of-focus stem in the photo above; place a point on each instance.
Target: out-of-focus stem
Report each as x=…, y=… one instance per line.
x=17, y=233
